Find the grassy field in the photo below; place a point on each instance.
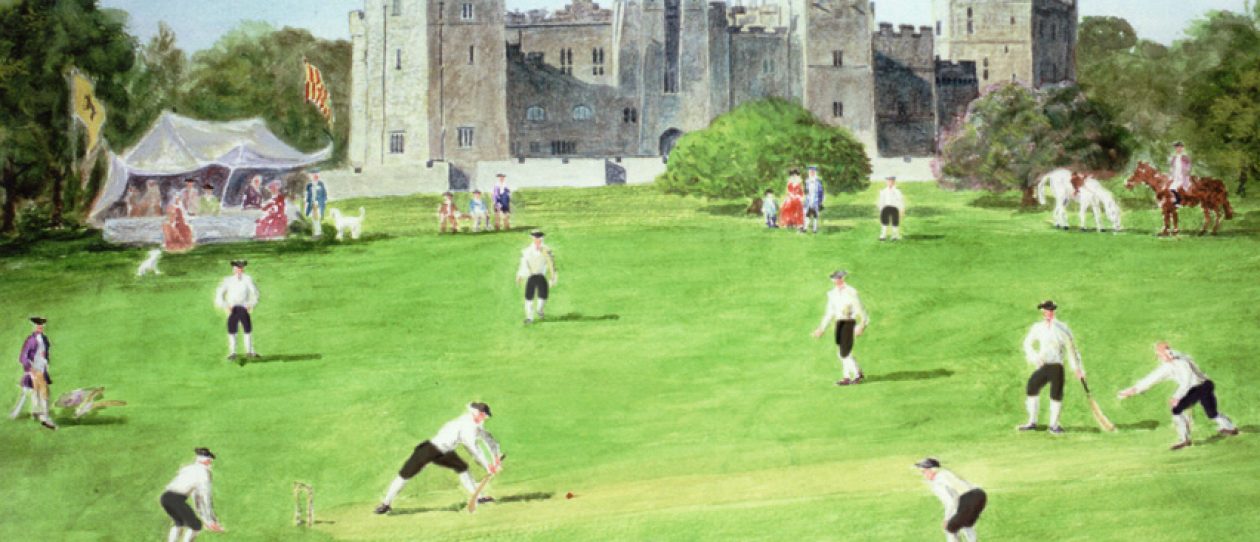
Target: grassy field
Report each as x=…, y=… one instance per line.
x=675, y=389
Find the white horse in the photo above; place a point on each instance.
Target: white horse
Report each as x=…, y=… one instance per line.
x=1092, y=195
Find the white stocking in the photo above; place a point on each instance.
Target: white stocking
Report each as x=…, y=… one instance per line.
x=538, y=305
x=970, y=533
x=896, y=232
x=883, y=232
x=1182, y=423
x=1223, y=422
x=174, y=536
x=850, y=367
x=394, y=488
x=1030, y=404
x=467, y=480
x=22, y=396
x=844, y=367
x=529, y=310
x=231, y=344
x=1056, y=407
x=249, y=343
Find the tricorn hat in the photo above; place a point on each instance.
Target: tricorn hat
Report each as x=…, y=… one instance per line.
x=480, y=407
x=890, y=178
x=839, y=274
x=500, y=175
x=928, y=463
x=1048, y=305
x=240, y=263
x=39, y=320
x=1178, y=144
x=313, y=170
x=537, y=234
x=204, y=452
x=812, y=167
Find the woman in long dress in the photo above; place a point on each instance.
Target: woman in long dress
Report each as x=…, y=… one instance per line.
x=792, y=214
x=177, y=235
x=274, y=224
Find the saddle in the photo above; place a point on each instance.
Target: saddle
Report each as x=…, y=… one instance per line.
x=1078, y=180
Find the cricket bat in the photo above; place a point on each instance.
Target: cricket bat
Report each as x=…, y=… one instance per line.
x=1098, y=413
x=472, y=501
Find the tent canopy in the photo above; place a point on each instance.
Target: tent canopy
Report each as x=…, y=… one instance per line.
x=177, y=145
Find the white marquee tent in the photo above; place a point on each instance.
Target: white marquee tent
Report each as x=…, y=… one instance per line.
x=179, y=145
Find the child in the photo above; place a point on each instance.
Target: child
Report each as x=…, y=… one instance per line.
x=477, y=210
x=447, y=214
x=769, y=209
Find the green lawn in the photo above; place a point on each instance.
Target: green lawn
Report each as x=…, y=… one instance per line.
x=676, y=391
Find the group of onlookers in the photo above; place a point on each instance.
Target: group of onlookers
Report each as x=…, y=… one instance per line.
x=478, y=214
x=803, y=205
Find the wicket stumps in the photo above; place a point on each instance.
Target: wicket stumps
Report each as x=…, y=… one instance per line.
x=300, y=488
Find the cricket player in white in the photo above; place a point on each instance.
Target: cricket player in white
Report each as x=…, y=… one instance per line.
x=963, y=502
x=1193, y=386
x=238, y=295
x=892, y=206
x=537, y=263
x=1053, y=342
x=845, y=309
x=193, y=480
x=464, y=431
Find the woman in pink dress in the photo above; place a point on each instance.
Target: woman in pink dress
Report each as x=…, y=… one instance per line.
x=792, y=214
x=274, y=224
x=177, y=235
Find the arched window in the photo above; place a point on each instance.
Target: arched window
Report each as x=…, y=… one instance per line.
x=582, y=112
x=536, y=114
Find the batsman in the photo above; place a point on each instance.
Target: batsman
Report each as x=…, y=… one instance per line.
x=464, y=431
x=1054, y=342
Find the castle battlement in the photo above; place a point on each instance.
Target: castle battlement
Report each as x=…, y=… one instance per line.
x=905, y=30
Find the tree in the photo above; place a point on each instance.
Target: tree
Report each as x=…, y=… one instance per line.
x=41, y=41
x=1012, y=136
x=751, y=148
x=257, y=71
x=1099, y=36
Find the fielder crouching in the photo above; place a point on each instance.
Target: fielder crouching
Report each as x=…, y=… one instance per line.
x=465, y=430
x=963, y=502
x=192, y=481
x=1193, y=386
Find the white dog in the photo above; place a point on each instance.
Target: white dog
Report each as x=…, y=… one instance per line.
x=149, y=265
x=353, y=223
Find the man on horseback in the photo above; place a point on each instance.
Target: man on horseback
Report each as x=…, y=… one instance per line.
x=1179, y=170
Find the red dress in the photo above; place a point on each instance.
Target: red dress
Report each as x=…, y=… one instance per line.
x=792, y=214
x=274, y=224
x=177, y=235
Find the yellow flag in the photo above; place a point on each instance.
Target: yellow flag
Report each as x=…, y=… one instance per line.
x=87, y=109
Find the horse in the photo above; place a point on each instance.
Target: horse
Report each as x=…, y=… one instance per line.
x=1086, y=191
x=1207, y=192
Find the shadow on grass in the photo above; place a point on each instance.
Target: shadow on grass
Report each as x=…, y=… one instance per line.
x=1144, y=425
x=525, y=497
x=282, y=358
x=903, y=376
x=923, y=237
x=91, y=420
x=579, y=317
x=1219, y=437
x=425, y=510
x=730, y=209
x=519, y=497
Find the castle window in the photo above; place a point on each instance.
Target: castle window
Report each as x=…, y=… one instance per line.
x=1054, y=31
x=971, y=27
x=566, y=61
x=582, y=112
x=563, y=147
x=837, y=58
x=837, y=109
x=938, y=28
x=472, y=54
x=398, y=59
x=397, y=8
x=673, y=39
x=396, y=140
x=597, y=61
x=1006, y=48
x=535, y=114
x=535, y=147
x=465, y=137
x=534, y=57
x=986, y=74
x=630, y=115
x=767, y=66
x=466, y=12
x=441, y=10
x=986, y=61
x=1012, y=20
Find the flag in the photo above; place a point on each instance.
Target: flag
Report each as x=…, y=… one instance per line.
x=86, y=108
x=317, y=91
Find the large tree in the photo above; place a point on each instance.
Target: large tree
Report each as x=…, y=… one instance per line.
x=751, y=148
x=42, y=39
x=1012, y=136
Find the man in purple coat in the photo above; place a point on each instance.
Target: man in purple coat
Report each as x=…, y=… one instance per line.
x=35, y=379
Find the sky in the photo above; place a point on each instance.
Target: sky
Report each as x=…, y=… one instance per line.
x=199, y=23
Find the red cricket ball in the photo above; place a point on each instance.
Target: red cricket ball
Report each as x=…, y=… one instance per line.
x=568, y=495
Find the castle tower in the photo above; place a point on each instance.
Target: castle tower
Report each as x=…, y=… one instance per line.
x=429, y=78
x=839, y=78
x=1032, y=42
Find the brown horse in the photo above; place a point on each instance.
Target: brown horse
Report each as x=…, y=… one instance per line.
x=1207, y=192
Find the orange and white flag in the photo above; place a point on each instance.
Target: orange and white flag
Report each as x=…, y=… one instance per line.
x=317, y=91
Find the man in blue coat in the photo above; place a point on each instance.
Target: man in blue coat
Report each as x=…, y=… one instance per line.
x=316, y=195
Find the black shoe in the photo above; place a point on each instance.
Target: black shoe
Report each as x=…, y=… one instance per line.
x=231, y=357
x=1054, y=429
x=48, y=424
x=1026, y=427
x=254, y=355
x=484, y=500
x=382, y=509
x=844, y=382
x=529, y=321
x=1180, y=445
x=1228, y=432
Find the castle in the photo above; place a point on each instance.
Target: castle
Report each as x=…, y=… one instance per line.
x=465, y=81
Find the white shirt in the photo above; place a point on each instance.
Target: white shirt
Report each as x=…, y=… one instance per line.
x=891, y=197
x=464, y=431
x=1180, y=173
x=948, y=487
x=234, y=291
x=194, y=480
x=536, y=261
x=1053, y=339
x=40, y=363
x=1182, y=370
x=844, y=304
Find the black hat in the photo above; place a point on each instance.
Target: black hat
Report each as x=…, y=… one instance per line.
x=537, y=234
x=794, y=171
x=208, y=186
x=39, y=320
x=313, y=170
x=240, y=263
x=190, y=180
x=1178, y=144
x=812, y=168
x=476, y=191
x=500, y=175
x=928, y=463
x=890, y=178
x=839, y=274
x=204, y=452
x=1048, y=305
x=480, y=407
x=448, y=194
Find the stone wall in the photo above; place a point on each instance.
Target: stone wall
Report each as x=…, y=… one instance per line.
x=905, y=106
